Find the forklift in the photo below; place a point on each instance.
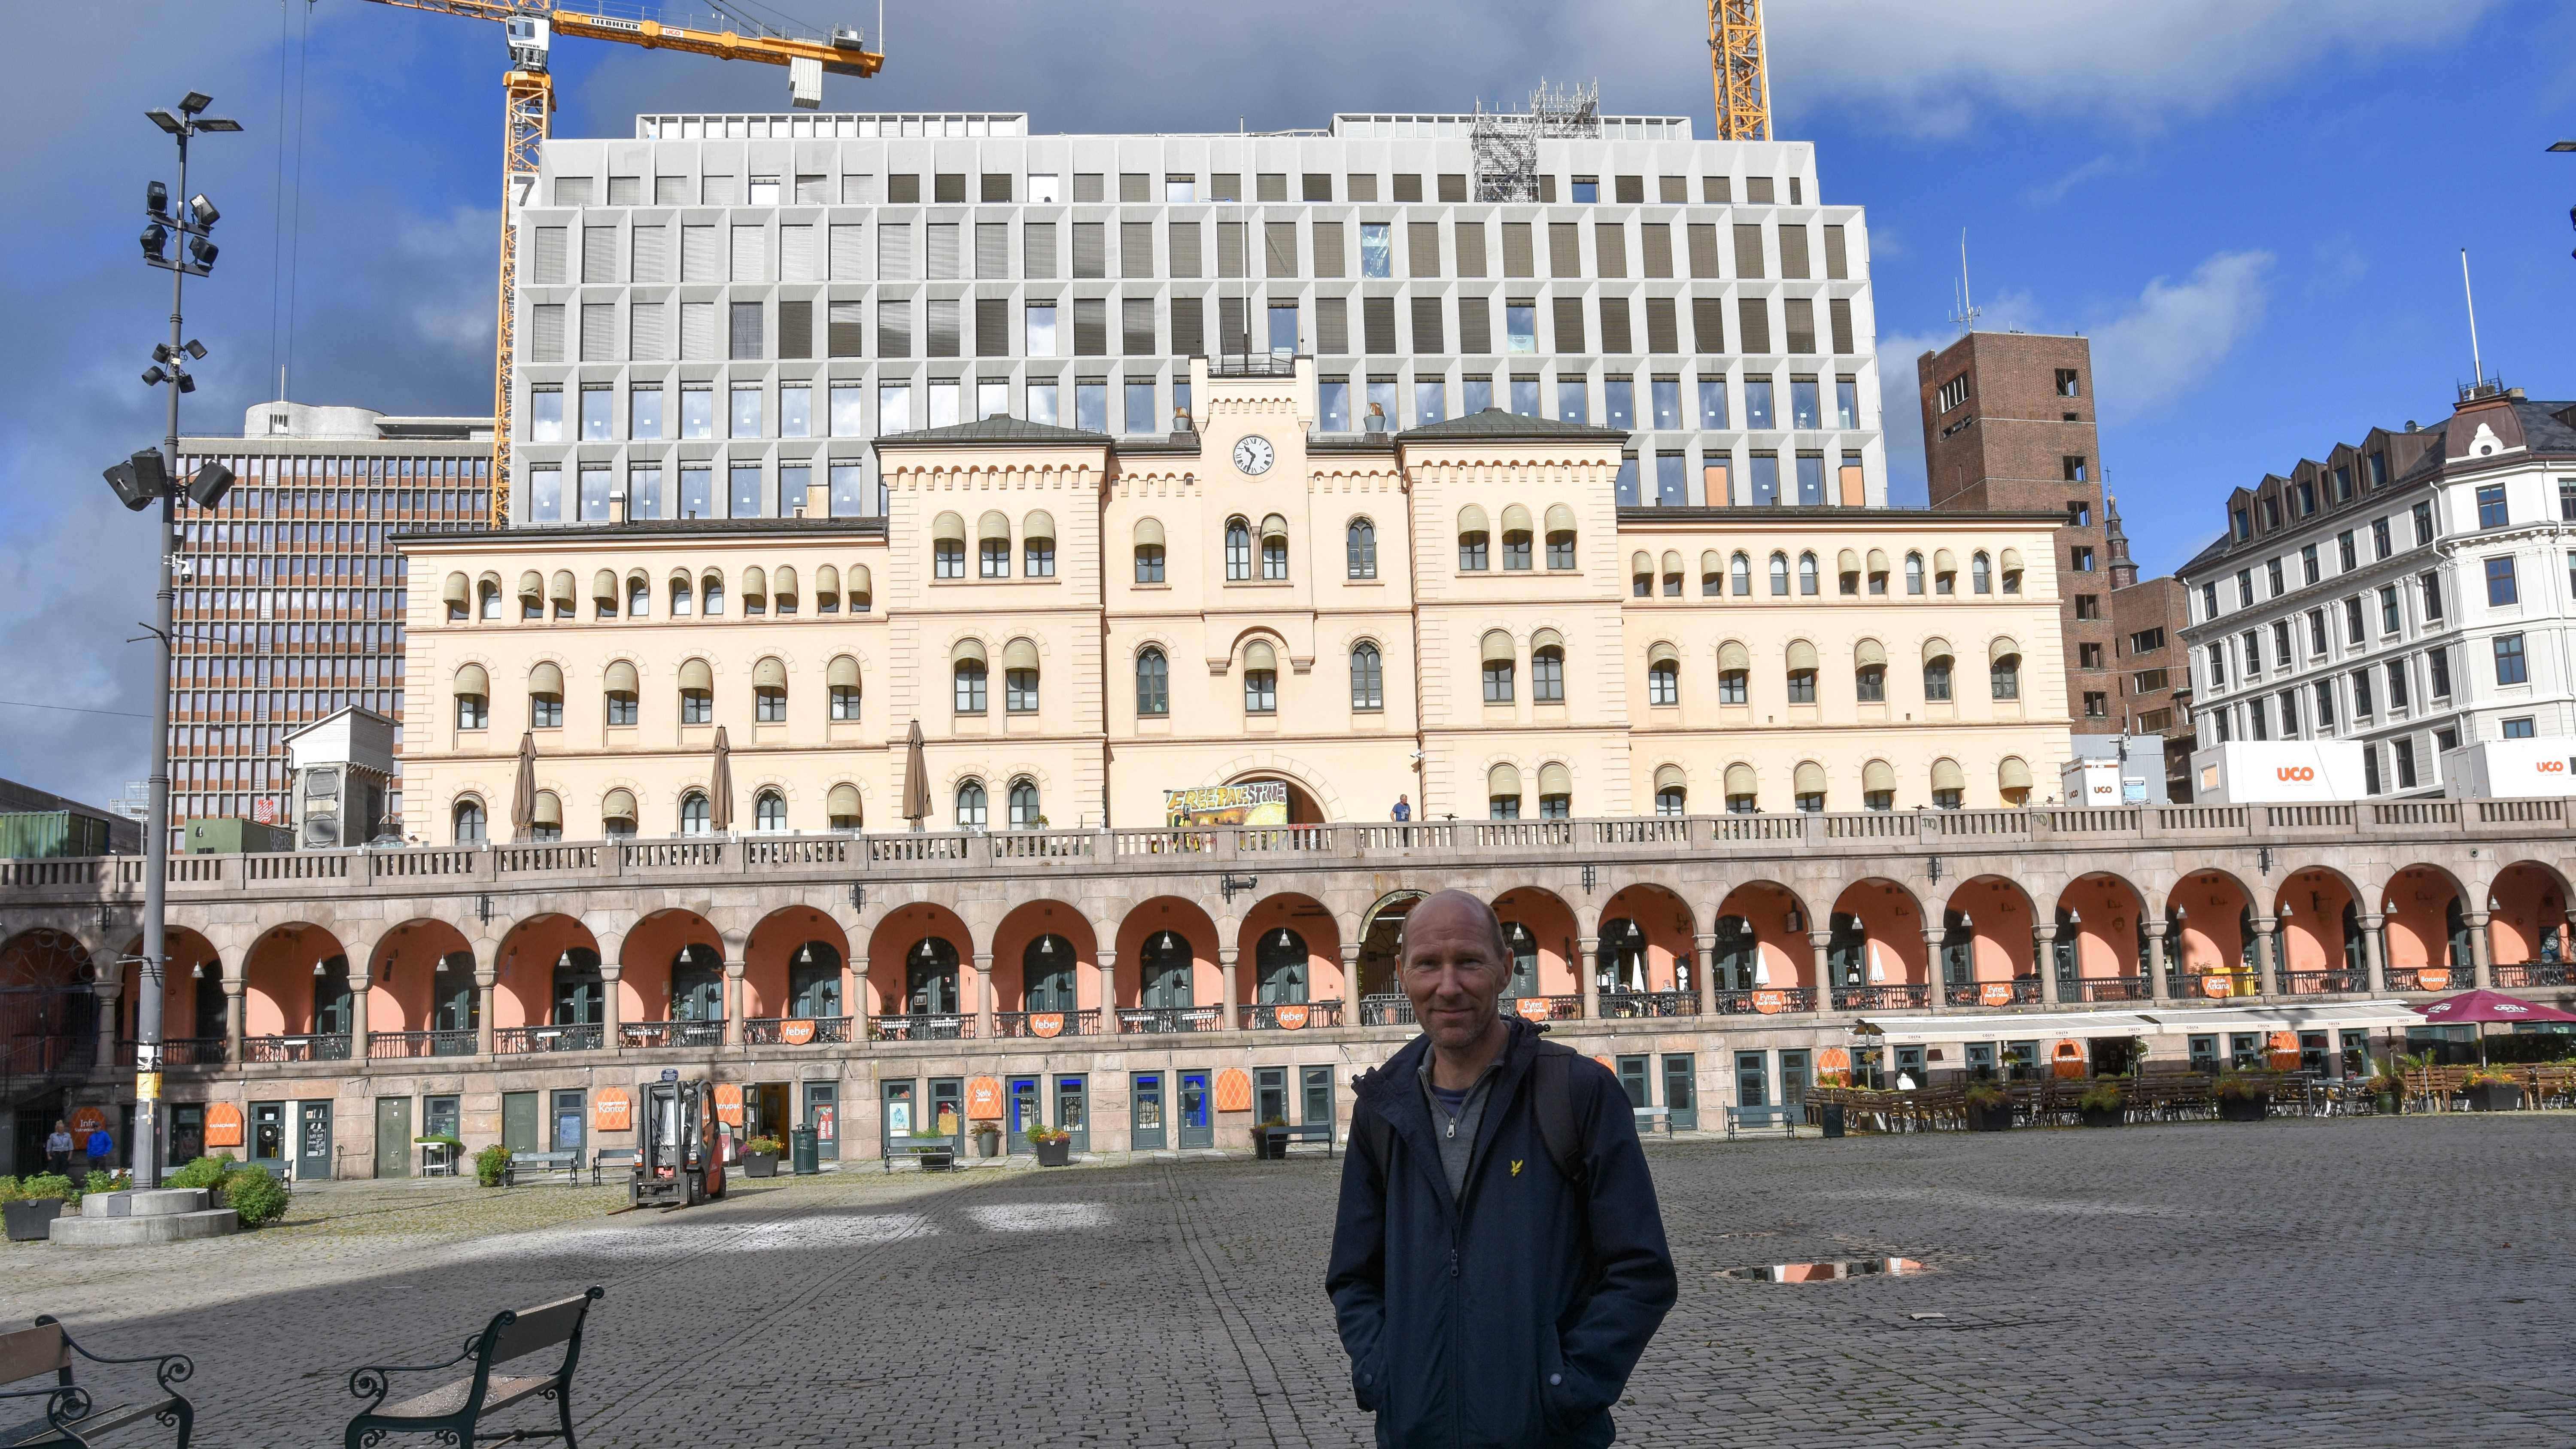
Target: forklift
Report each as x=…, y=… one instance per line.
x=680, y=1161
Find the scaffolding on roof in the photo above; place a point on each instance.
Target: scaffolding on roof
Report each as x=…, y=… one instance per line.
x=1505, y=143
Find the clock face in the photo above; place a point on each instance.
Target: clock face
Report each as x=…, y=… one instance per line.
x=1254, y=455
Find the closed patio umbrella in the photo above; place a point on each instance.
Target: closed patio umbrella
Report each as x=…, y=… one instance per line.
x=1877, y=972
x=720, y=787
x=523, y=791
x=916, y=779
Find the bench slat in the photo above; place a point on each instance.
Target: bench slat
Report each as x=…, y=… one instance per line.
x=446, y=1399
x=537, y=1328
x=27, y=1352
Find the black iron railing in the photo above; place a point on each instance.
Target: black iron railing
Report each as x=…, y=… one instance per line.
x=383, y=1045
x=1047, y=1023
x=194, y=1051
x=511, y=1041
x=1291, y=1015
x=2104, y=988
x=1766, y=1000
x=1386, y=1009
x=926, y=1026
x=796, y=1030
x=1133, y=1020
x=1622, y=1004
x=2020, y=991
x=651, y=1034
x=1887, y=996
x=2524, y=975
x=332, y=1047
x=2324, y=983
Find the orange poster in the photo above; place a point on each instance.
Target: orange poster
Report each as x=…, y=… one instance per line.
x=984, y=1100
x=1769, y=1002
x=1290, y=1018
x=88, y=1120
x=1533, y=1008
x=1994, y=993
x=796, y=1032
x=612, y=1111
x=729, y=1103
x=223, y=1125
x=1046, y=1023
x=1233, y=1090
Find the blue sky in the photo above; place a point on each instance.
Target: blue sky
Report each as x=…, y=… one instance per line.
x=2254, y=207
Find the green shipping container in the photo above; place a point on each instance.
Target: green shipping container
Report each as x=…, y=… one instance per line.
x=49, y=834
x=231, y=835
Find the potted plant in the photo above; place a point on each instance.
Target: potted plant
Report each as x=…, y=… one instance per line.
x=2490, y=1089
x=491, y=1164
x=760, y=1157
x=1270, y=1139
x=988, y=1138
x=935, y=1151
x=1989, y=1108
x=1054, y=1145
x=33, y=1205
x=2102, y=1104
x=2243, y=1097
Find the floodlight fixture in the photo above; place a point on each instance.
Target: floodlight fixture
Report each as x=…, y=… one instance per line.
x=154, y=376
x=155, y=237
x=165, y=121
x=2562, y=145
x=195, y=101
x=218, y=123
x=196, y=349
x=202, y=252
x=156, y=199
x=204, y=211
x=187, y=382
x=163, y=351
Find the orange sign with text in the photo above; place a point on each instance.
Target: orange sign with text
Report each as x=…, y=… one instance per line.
x=1534, y=1008
x=1046, y=1023
x=1833, y=1059
x=729, y=1103
x=612, y=1111
x=1995, y=993
x=223, y=1125
x=2432, y=978
x=1233, y=1090
x=2283, y=1047
x=983, y=1100
x=1769, y=1002
x=2217, y=984
x=796, y=1032
x=2066, y=1059
x=1290, y=1018
x=88, y=1120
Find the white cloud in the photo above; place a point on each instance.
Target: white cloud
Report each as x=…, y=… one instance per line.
x=1900, y=410
x=1932, y=68
x=2178, y=332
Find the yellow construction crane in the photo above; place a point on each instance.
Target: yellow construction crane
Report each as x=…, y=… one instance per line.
x=528, y=93
x=1742, y=73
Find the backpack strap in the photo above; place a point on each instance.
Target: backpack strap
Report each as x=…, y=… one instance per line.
x=1552, y=1101
x=1371, y=1133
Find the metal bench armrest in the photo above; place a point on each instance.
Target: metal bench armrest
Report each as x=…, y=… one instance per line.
x=370, y=1382
x=168, y=1368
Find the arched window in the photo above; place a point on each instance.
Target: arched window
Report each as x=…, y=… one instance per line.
x=814, y=980
x=1807, y=575
x=1037, y=545
x=1672, y=791
x=769, y=811
x=1672, y=574
x=1280, y=966
x=1869, y=672
x=711, y=595
x=1981, y=573
x=1802, y=672
x=488, y=594
x=1779, y=576
x=1473, y=545
x=841, y=678
x=1945, y=572
x=1743, y=790
x=769, y=691
x=1500, y=657
x=1046, y=975
x=1878, y=786
x=993, y=546
x=1149, y=551
x=755, y=590
x=1739, y=576
x=1712, y=575
x=1641, y=575
x=1949, y=785
x=2004, y=669
x=545, y=816
x=456, y=1003
x=1547, y=667
x=1560, y=536
x=1555, y=792
x=1153, y=683
x=1663, y=674
x=695, y=816
x=2012, y=570
x=468, y=821
x=1847, y=574
x=532, y=595
x=948, y=547
x=473, y=698
x=843, y=808
x=2012, y=781
x=971, y=813
x=1734, y=672
x=617, y=814
x=1359, y=547
x=1274, y=549
x=624, y=691
x=1516, y=538
x=967, y=671
x=1877, y=573
x=930, y=978
x=459, y=595
x=1914, y=574
x=1025, y=814
x=1163, y=973
x=1020, y=677
x=580, y=995
x=1503, y=793
x=1936, y=671
x=1260, y=677
x=1808, y=787
x=1524, y=947
x=697, y=693
x=1238, y=550
x=682, y=597
x=1621, y=965
x=1368, y=677
x=697, y=985
x=639, y=597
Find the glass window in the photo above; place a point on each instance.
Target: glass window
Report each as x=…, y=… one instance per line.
x=1663, y=683
x=1333, y=405
x=744, y=493
x=1619, y=403
x=1377, y=250
x=1731, y=686
x=1498, y=681
x=993, y=558
x=1038, y=336
x=1757, y=402
x=1811, y=479
x=1573, y=403
x=546, y=415
x=1091, y=406
x=1471, y=552
x=1560, y=550
x=2491, y=505
x=1020, y=691
x=1665, y=395
x=971, y=805
x=1368, y=677
x=2509, y=665
x=1846, y=402
x=598, y=407
x=1520, y=333
x=1547, y=675
x=1153, y=683
x=1149, y=563
x=948, y=559
x=1261, y=691
x=744, y=420
x=2500, y=581
x=1805, y=409
x=1238, y=550
x=1140, y=408
x=1712, y=402
x=970, y=678
x=1360, y=548
x=1480, y=395
x=795, y=412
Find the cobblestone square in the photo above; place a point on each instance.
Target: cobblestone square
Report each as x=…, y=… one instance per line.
x=2343, y=1282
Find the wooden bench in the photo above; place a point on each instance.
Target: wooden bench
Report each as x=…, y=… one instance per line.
x=1308, y=1132
x=454, y=1409
x=1650, y=1117
x=1759, y=1117
x=567, y=1163
x=70, y=1416
x=621, y=1158
x=934, y=1154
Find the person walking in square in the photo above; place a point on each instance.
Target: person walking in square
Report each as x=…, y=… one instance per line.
x=58, y=1149
x=101, y=1148
x=1499, y=1261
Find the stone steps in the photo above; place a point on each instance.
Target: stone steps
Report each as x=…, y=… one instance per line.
x=159, y=1215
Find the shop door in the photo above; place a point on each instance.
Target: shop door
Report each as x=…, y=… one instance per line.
x=1198, y=1120
x=766, y=1106
x=393, y=1137
x=1145, y=1131
x=899, y=1117
x=948, y=1110
x=1269, y=1094
x=567, y=1121
x=1317, y=1085
x=268, y=1133
x=1794, y=1077
x=1909, y=1068
x=1752, y=1079
x=313, y=1142
x=187, y=1132
x=520, y=1129
x=1632, y=1080
x=1073, y=1112
x=1681, y=1090
x=823, y=1114
x=1025, y=1110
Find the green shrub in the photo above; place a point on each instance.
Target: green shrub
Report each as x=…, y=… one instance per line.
x=1985, y=1097
x=2101, y=1096
x=48, y=1184
x=770, y=1145
x=2242, y=1086
x=202, y=1172
x=108, y=1182
x=8, y=1188
x=490, y=1163
x=259, y=1198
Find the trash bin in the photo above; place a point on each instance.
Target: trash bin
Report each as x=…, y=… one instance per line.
x=1833, y=1122
x=802, y=1151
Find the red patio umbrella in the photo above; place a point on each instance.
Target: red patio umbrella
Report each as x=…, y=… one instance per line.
x=2481, y=1007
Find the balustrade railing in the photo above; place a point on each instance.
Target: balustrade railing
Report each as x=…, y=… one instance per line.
x=1387, y=1009
x=2020, y=991
x=1085, y=1022
x=194, y=1051
x=796, y=1030
x=2525, y=975
x=2429, y=978
x=511, y=1041
x=2324, y=983
x=1617, y=1005
x=1149, y=1020
x=642, y=1035
x=1885, y=996
x=2104, y=988
x=324, y=1047
x=397, y=1045
x=1291, y=1015
x=1765, y=1000
x=1540, y=1008
x=921, y=1026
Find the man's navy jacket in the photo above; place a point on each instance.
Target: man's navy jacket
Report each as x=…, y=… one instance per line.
x=1510, y=1315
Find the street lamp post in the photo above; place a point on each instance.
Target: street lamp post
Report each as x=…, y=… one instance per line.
x=141, y=481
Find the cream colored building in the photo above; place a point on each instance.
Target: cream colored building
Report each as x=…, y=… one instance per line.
x=1460, y=615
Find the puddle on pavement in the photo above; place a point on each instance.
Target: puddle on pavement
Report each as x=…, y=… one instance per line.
x=1829, y=1272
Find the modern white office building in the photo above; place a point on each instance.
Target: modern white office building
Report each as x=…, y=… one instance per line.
x=2415, y=592
x=718, y=313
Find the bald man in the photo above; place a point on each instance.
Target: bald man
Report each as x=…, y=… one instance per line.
x=1499, y=1261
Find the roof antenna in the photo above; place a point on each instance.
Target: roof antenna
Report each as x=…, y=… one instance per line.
x=1967, y=314
x=2477, y=365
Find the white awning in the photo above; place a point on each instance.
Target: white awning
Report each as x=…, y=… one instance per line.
x=2177, y=1018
